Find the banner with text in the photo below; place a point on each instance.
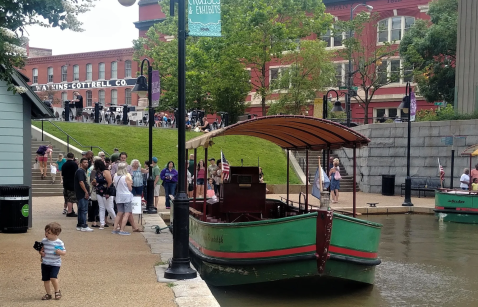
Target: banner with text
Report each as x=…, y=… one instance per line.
x=204, y=17
x=413, y=106
x=83, y=85
x=155, y=89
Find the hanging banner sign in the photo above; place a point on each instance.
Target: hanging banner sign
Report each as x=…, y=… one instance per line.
x=83, y=85
x=155, y=88
x=413, y=106
x=204, y=17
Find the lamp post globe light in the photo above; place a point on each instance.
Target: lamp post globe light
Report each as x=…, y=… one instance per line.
x=126, y=2
x=143, y=89
x=350, y=76
x=406, y=107
x=179, y=266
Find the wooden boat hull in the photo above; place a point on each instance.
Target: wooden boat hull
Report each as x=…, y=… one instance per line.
x=285, y=248
x=456, y=206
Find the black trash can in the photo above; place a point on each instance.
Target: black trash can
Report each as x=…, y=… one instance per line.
x=388, y=185
x=14, y=208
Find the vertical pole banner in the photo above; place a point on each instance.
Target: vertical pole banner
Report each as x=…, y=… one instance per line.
x=413, y=106
x=155, y=88
x=204, y=17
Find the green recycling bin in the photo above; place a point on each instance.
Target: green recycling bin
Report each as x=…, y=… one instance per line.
x=14, y=208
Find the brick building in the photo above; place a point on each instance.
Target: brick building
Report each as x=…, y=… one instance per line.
x=108, y=76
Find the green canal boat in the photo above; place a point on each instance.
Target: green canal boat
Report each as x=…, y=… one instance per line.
x=456, y=206
x=242, y=237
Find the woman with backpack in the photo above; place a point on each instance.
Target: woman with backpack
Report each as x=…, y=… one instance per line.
x=334, y=175
x=42, y=156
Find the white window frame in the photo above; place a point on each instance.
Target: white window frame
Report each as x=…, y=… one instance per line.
x=64, y=97
x=101, y=71
x=345, y=66
x=332, y=41
x=279, y=73
x=35, y=75
x=114, y=97
x=50, y=74
x=401, y=80
x=101, y=97
x=89, y=72
x=387, y=112
x=89, y=98
x=76, y=73
x=127, y=96
x=114, y=70
x=64, y=73
x=389, y=29
x=127, y=69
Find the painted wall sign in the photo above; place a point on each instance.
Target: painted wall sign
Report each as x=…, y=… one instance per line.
x=155, y=88
x=83, y=85
x=204, y=17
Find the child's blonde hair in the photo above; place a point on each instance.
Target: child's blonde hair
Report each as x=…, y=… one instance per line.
x=54, y=228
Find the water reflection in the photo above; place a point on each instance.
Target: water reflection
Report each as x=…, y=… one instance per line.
x=425, y=263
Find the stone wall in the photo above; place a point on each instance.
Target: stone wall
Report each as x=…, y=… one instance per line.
x=387, y=152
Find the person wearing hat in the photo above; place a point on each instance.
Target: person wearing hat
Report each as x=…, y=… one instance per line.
x=115, y=156
x=212, y=171
x=157, y=182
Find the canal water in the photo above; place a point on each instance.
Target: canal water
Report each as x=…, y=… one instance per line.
x=424, y=263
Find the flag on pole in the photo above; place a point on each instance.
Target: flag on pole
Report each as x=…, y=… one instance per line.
x=442, y=171
x=224, y=167
x=316, y=186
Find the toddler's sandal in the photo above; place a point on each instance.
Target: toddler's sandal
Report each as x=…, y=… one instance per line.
x=57, y=295
x=46, y=297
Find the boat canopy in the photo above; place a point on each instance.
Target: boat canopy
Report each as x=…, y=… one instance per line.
x=289, y=132
x=471, y=151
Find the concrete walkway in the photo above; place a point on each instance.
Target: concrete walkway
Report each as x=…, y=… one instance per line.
x=100, y=269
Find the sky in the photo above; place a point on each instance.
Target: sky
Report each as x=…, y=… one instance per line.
x=108, y=25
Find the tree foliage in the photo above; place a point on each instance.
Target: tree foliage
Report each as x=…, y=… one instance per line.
x=310, y=71
x=369, y=59
x=15, y=15
x=430, y=47
x=262, y=30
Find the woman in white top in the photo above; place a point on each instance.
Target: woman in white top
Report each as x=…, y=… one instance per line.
x=124, y=184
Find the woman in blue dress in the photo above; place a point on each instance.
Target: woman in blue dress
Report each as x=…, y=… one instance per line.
x=334, y=183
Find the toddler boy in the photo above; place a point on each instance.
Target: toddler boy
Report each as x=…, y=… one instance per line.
x=53, y=248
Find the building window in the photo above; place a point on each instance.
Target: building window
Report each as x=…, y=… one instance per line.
x=114, y=97
x=101, y=71
x=334, y=38
x=89, y=72
x=101, y=97
x=391, y=113
x=127, y=69
x=64, y=73
x=276, y=80
x=76, y=73
x=394, y=71
x=114, y=70
x=127, y=96
x=50, y=74
x=89, y=98
x=341, y=72
x=64, y=96
x=392, y=29
x=35, y=75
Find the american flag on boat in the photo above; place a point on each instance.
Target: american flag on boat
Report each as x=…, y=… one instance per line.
x=224, y=167
x=442, y=171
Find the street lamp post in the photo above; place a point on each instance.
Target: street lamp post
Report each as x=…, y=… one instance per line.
x=349, y=79
x=406, y=107
x=141, y=88
x=337, y=108
x=179, y=267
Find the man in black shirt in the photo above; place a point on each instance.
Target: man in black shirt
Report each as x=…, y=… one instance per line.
x=78, y=105
x=82, y=195
x=68, y=171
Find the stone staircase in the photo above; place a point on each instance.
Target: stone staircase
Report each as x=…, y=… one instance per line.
x=44, y=188
x=346, y=183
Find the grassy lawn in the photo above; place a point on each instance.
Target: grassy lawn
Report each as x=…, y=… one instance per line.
x=134, y=141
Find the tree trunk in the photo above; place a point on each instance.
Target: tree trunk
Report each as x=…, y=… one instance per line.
x=263, y=97
x=263, y=102
x=365, y=120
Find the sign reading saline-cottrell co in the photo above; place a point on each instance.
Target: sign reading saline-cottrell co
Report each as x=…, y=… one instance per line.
x=83, y=85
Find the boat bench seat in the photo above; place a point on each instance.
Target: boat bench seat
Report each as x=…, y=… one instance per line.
x=423, y=184
x=195, y=212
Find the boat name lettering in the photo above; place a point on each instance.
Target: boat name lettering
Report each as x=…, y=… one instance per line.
x=215, y=238
x=456, y=201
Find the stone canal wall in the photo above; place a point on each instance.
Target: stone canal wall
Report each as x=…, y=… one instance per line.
x=387, y=152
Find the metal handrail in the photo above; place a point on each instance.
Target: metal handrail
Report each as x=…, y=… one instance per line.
x=68, y=138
